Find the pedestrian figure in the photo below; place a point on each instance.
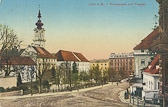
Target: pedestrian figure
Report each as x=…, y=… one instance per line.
x=125, y=94
x=132, y=94
x=117, y=83
x=53, y=90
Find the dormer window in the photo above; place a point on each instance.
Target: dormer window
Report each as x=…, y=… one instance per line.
x=142, y=50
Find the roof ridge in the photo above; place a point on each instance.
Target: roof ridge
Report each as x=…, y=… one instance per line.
x=76, y=56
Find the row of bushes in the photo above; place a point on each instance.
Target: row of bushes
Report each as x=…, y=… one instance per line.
x=9, y=89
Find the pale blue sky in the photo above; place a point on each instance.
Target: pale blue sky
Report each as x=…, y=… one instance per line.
x=74, y=25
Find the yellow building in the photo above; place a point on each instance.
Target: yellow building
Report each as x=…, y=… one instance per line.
x=102, y=63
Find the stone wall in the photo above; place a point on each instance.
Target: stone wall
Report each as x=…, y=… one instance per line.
x=12, y=93
x=8, y=82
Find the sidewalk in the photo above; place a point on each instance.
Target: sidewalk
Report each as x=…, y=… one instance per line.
x=127, y=101
x=56, y=93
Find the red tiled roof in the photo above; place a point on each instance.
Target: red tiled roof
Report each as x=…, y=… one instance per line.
x=155, y=71
x=70, y=56
x=81, y=57
x=146, y=42
x=41, y=52
x=65, y=56
x=152, y=69
x=18, y=61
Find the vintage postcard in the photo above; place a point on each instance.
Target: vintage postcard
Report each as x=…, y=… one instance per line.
x=83, y=53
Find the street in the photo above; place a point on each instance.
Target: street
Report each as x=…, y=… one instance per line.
x=100, y=97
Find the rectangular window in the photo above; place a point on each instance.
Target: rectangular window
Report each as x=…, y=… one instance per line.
x=142, y=62
x=142, y=50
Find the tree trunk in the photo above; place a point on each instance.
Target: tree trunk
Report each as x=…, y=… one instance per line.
x=40, y=80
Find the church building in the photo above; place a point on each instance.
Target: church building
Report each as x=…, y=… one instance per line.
x=36, y=50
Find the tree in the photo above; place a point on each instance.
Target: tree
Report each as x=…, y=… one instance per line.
x=155, y=22
x=112, y=74
x=97, y=74
x=84, y=76
x=74, y=68
x=123, y=73
x=9, y=43
x=41, y=73
x=63, y=74
x=53, y=74
x=75, y=73
x=91, y=74
x=105, y=76
x=46, y=84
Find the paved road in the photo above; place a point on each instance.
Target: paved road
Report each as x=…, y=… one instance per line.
x=100, y=97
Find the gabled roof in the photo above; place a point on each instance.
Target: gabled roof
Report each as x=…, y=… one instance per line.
x=146, y=42
x=70, y=56
x=17, y=61
x=41, y=52
x=81, y=57
x=152, y=69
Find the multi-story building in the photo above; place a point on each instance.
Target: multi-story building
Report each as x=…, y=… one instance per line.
x=143, y=54
x=151, y=80
x=142, y=58
x=103, y=64
x=68, y=57
x=122, y=62
x=160, y=46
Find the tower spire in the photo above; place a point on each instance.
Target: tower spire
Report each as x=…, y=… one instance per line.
x=39, y=24
x=39, y=38
x=39, y=14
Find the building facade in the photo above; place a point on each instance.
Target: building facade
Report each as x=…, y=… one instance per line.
x=24, y=66
x=122, y=62
x=41, y=57
x=68, y=57
x=151, y=80
x=143, y=54
x=142, y=58
x=160, y=46
x=103, y=64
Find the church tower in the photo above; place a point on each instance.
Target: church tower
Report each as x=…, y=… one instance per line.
x=39, y=33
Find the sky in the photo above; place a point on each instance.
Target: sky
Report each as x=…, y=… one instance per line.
x=80, y=26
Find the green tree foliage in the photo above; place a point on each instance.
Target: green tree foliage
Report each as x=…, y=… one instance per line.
x=74, y=68
x=53, y=74
x=45, y=84
x=75, y=74
x=2, y=89
x=105, y=76
x=84, y=76
x=155, y=22
x=97, y=74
